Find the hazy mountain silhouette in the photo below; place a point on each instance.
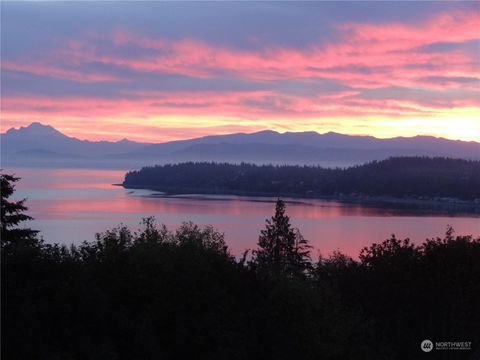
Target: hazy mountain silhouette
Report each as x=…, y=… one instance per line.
x=45, y=137
x=37, y=145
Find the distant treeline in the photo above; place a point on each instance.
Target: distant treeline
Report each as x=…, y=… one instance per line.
x=402, y=177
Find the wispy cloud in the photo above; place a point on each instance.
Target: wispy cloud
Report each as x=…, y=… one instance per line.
x=365, y=71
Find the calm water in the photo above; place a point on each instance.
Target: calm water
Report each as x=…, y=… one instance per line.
x=71, y=205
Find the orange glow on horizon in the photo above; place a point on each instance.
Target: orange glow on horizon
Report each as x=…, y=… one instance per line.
x=384, y=79
x=466, y=127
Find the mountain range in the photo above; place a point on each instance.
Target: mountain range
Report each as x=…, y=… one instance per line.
x=43, y=145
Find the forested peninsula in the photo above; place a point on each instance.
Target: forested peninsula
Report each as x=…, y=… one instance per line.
x=414, y=178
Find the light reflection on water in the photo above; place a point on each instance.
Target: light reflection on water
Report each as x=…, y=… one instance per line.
x=71, y=205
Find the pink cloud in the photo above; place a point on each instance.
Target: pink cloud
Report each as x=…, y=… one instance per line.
x=53, y=70
x=390, y=50
x=395, y=46
x=242, y=105
x=366, y=57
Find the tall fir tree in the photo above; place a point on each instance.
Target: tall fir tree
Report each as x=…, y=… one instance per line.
x=282, y=250
x=12, y=214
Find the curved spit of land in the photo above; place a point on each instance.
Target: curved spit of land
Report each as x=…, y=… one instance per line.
x=421, y=181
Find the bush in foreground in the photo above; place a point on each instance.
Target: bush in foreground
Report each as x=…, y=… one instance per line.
x=169, y=295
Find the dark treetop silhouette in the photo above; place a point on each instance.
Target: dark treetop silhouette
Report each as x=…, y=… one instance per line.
x=160, y=294
x=12, y=214
x=281, y=248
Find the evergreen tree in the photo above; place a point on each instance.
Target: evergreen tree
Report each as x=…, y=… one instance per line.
x=282, y=248
x=12, y=214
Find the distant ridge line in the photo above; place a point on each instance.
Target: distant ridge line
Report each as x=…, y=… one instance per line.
x=39, y=144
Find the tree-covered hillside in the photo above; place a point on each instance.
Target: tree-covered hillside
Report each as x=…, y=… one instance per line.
x=398, y=177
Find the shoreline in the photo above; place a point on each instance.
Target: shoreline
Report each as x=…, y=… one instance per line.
x=440, y=203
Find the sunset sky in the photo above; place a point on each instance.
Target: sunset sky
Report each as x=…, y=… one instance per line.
x=156, y=72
